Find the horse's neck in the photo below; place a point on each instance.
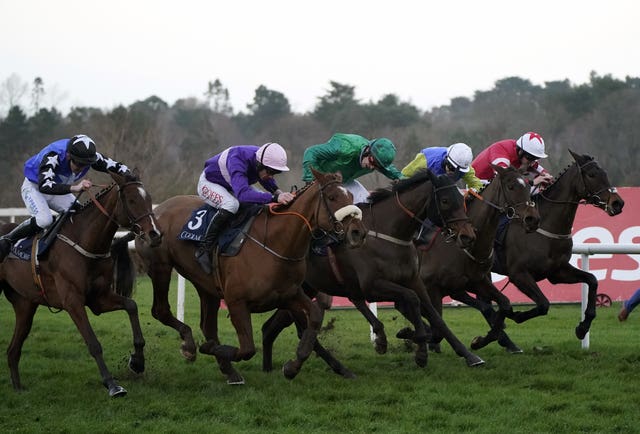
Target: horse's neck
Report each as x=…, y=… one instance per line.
x=91, y=228
x=289, y=234
x=485, y=219
x=559, y=211
x=389, y=217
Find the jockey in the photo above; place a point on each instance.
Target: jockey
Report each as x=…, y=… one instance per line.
x=522, y=153
x=227, y=180
x=454, y=161
x=352, y=156
x=51, y=178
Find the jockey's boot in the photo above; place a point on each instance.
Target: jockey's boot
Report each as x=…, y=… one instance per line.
x=217, y=223
x=25, y=229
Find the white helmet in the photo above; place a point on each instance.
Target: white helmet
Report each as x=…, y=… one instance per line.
x=460, y=156
x=272, y=155
x=532, y=143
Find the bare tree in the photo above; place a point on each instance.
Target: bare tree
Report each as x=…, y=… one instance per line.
x=12, y=90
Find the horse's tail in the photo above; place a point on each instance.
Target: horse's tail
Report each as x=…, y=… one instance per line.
x=124, y=271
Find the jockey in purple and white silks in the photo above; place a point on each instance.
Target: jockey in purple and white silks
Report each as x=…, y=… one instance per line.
x=51, y=178
x=227, y=180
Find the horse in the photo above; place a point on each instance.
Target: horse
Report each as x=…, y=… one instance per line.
x=77, y=271
x=506, y=196
x=264, y=275
x=545, y=253
x=386, y=267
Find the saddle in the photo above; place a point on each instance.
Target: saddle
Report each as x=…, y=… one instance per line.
x=232, y=238
x=23, y=248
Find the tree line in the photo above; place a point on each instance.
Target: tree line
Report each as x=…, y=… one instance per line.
x=169, y=143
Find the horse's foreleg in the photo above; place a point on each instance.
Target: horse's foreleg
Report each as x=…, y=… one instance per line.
x=529, y=287
x=110, y=302
x=380, y=342
x=79, y=316
x=487, y=292
x=160, y=275
x=437, y=323
x=24, y=311
x=271, y=329
x=310, y=315
x=571, y=274
x=409, y=306
x=209, y=308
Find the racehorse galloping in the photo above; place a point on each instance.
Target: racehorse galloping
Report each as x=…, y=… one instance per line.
x=386, y=267
x=449, y=270
x=77, y=271
x=545, y=254
x=265, y=274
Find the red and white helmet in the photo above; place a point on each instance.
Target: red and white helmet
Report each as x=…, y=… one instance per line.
x=459, y=155
x=272, y=155
x=532, y=143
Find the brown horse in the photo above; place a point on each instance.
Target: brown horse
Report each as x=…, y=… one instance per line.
x=507, y=195
x=77, y=271
x=266, y=274
x=545, y=254
x=386, y=267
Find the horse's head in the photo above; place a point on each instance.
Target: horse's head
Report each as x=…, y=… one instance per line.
x=597, y=189
x=342, y=216
x=447, y=211
x=136, y=212
x=517, y=197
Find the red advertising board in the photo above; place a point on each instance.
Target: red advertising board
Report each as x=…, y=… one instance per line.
x=618, y=274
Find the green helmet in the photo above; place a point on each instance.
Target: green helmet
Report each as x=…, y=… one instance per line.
x=383, y=151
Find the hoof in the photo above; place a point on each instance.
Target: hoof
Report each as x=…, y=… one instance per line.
x=117, y=391
x=235, y=380
x=289, y=370
x=435, y=348
x=380, y=345
x=477, y=343
x=405, y=333
x=348, y=375
x=136, y=366
x=581, y=332
x=473, y=361
x=513, y=349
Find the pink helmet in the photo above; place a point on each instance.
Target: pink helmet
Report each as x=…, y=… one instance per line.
x=272, y=155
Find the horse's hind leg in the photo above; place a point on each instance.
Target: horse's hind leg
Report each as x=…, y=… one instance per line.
x=79, y=316
x=24, y=311
x=160, y=275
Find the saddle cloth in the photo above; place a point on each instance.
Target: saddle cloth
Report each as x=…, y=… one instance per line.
x=232, y=238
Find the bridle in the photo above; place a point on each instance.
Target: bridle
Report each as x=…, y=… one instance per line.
x=447, y=231
x=588, y=197
x=337, y=231
x=510, y=211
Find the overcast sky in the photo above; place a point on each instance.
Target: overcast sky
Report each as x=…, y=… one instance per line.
x=106, y=53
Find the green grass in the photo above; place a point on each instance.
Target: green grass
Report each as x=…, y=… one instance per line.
x=560, y=389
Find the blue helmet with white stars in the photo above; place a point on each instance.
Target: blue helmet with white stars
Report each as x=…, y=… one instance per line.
x=82, y=149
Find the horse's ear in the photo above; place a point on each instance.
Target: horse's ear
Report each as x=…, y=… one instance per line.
x=136, y=172
x=432, y=177
x=498, y=169
x=575, y=155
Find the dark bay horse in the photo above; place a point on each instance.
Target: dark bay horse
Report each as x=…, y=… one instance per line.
x=386, y=267
x=545, y=254
x=266, y=274
x=507, y=195
x=77, y=271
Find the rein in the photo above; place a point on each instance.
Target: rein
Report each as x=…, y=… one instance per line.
x=336, y=219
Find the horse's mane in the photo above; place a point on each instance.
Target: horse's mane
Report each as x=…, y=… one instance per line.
x=129, y=177
x=564, y=171
x=382, y=193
